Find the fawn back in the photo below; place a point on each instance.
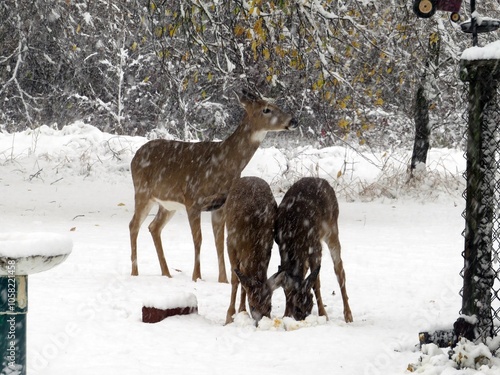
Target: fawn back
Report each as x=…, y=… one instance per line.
x=307, y=215
x=250, y=212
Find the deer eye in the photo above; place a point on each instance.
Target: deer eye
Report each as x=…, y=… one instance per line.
x=266, y=111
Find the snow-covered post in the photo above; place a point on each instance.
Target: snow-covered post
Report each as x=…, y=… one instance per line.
x=22, y=254
x=481, y=212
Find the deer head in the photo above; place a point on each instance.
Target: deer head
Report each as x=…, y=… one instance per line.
x=298, y=294
x=264, y=111
x=260, y=293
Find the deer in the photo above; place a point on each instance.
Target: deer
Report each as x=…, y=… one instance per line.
x=197, y=176
x=250, y=212
x=307, y=215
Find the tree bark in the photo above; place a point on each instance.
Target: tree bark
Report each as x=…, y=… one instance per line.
x=422, y=130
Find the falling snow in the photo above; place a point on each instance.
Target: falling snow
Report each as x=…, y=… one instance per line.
x=401, y=247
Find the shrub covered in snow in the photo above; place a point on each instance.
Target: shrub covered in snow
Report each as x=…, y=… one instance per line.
x=466, y=358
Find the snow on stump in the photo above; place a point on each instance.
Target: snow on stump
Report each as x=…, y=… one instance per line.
x=155, y=310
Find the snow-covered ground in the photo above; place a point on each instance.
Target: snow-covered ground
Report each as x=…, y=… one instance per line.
x=401, y=246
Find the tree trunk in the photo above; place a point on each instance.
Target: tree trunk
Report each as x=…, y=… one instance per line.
x=422, y=130
x=421, y=117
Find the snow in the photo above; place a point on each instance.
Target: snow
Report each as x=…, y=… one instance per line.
x=401, y=248
x=32, y=252
x=467, y=358
x=490, y=51
x=171, y=301
x=19, y=245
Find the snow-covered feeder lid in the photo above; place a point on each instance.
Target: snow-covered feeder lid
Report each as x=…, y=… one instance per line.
x=28, y=253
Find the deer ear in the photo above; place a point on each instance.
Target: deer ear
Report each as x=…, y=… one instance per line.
x=311, y=279
x=277, y=280
x=246, y=98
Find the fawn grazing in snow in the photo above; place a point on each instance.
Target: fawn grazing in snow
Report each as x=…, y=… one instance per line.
x=197, y=176
x=250, y=212
x=307, y=215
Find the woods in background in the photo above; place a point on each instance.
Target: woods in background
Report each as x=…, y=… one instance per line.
x=349, y=69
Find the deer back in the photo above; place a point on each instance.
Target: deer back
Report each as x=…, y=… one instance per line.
x=307, y=214
x=250, y=212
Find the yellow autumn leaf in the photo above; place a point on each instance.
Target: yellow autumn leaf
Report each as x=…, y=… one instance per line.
x=267, y=54
x=433, y=38
x=239, y=30
x=339, y=174
x=257, y=27
x=343, y=123
x=158, y=32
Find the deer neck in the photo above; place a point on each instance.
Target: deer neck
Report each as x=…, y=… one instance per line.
x=242, y=144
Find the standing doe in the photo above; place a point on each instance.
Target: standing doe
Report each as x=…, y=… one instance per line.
x=250, y=212
x=197, y=176
x=307, y=215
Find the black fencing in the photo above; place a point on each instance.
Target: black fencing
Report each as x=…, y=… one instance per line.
x=481, y=272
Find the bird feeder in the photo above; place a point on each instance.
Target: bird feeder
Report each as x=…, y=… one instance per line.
x=427, y=8
x=22, y=254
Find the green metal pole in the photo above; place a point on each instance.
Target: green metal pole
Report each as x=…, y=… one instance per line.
x=13, y=309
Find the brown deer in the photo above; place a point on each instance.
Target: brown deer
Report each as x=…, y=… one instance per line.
x=306, y=216
x=250, y=211
x=197, y=176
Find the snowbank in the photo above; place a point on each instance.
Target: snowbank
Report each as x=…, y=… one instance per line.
x=81, y=150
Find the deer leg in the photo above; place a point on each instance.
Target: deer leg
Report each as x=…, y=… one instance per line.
x=243, y=299
x=234, y=289
x=156, y=226
x=315, y=263
x=334, y=246
x=142, y=208
x=218, y=221
x=319, y=300
x=288, y=303
x=194, y=217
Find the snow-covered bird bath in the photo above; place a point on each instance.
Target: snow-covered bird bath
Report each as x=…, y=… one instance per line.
x=22, y=254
